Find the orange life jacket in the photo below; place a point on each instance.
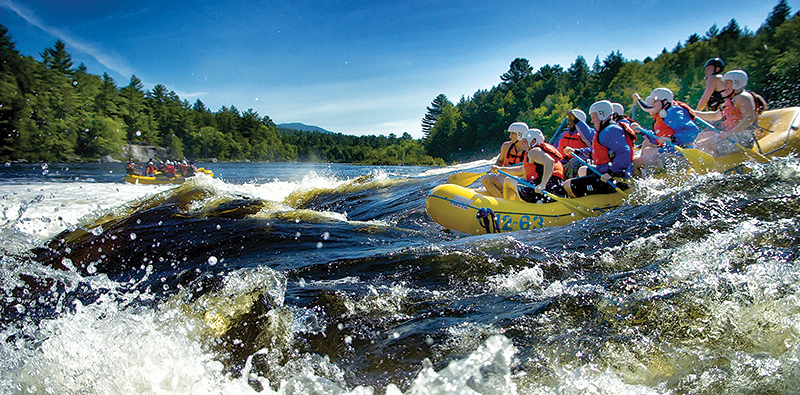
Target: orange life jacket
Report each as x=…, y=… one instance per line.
x=513, y=159
x=533, y=171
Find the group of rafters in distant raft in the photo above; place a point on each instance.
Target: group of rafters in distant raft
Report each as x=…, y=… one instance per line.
x=168, y=172
x=602, y=160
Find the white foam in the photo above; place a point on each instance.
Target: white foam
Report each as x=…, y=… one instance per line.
x=43, y=210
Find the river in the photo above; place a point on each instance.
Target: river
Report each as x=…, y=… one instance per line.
x=331, y=279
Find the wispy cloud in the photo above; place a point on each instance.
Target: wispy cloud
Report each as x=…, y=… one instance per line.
x=187, y=95
x=106, y=59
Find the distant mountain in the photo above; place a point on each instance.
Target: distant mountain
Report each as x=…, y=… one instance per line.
x=303, y=127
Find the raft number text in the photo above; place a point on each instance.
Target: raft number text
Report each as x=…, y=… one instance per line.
x=525, y=222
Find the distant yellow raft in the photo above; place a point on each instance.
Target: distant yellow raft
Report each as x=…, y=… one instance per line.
x=160, y=178
x=456, y=207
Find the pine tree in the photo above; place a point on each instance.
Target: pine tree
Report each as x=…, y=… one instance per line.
x=520, y=68
x=781, y=13
x=57, y=58
x=434, y=111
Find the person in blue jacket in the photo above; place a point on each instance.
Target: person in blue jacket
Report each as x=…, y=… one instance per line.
x=611, y=152
x=673, y=121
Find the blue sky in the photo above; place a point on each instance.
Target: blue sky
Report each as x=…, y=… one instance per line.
x=356, y=67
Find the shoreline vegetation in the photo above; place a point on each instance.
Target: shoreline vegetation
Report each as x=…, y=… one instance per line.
x=52, y=111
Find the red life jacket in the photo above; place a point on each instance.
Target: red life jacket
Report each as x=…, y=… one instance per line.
x=600, y=152
x=512, y=159
x=169, y=170
x=570, y=140
x=533, y=171
x=731, y=114
x=661, y=128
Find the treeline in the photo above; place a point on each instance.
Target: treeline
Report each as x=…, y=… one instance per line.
x=365, y=150
x=53, y=111
x=476, y=126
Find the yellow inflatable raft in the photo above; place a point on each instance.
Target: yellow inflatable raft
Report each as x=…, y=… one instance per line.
x=467, y=210
x=160, y=178
x=777, y=135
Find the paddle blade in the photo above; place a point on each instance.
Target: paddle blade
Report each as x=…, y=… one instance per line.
x=702, y=162
x=753, y=154
x=464, y=179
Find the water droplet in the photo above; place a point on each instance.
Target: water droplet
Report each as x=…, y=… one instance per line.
x=133, y=236
x=212, y=260
x=326, y=236
x=67, y=263
x=319, y=244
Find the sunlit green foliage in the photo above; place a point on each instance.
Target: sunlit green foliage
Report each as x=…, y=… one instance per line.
x=476, y=126
x=51, y=111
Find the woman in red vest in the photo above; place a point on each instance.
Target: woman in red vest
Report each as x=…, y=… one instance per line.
x=737, y=115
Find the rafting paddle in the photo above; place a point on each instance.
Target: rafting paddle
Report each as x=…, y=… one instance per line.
x=575, y=207
x=752, y=154
x=699, y=160
x=465, y=179
x=620, y=191
x=557, y=134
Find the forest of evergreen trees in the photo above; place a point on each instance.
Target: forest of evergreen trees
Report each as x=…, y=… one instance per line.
x=475, y=127
x=52, y=111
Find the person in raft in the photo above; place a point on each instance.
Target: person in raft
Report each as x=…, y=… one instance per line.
x=578, y=136
x=712, y=96
x=612, y=153
x=542, y=168
x=673, y=121
x=737, y=115
x=511, y=153
x=133, y=168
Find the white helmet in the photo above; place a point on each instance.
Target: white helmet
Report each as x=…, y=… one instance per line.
x=534, y=137
x=579, y=114
x=602, y=108
x=661, y=94
x=519, y=128
x=618, y=109
x=739, y=78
